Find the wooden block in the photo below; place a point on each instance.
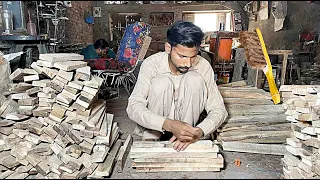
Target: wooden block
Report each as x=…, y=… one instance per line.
x=35, y=130
x=49, y=72
x=6, y=130
x=42, y=111
x=69, y=95
x=56, y=148
x=65, y=75
x=20, y=96
x=29, y=78
x=99, y=156
x=93, y=82
x=65, y=100
x=54, y=161
x=57, y=57
x=5, y=174
x=86, y=147
x=62, y=141
x=48, y=100
x=76, y=84
x=56, y=85
x=32, y=138
x=104, y=169
x=45, y=63
x=58, y=111
x=86, y=133
x=47, y=105
x=20, y=132
x=86, y=160
x=46, y=95
x=46, y=138
x=87, y=95
x=78, y=127
x=17, y=175
x=19, y=87
x=70, y=65
x=19, y=73
x=37, y=68
x=42, y=83
x=9, y=161
x=90, y=90
x=49, y=90
x=50, y=132
x=123, y=153
x=75, y=136
x=83, y=101
x=42, y=147
x=33, y=90
x=43, y=168
x=83, y=73
x=71, y=89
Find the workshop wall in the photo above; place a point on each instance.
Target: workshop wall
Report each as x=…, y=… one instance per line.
x=77, y=30
x=101, y=27
x=300, y=16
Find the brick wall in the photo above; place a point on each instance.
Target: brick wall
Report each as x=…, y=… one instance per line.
x=76, y=29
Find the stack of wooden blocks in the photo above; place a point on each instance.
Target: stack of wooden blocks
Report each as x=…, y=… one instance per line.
x=302, y=104
x=254, y=123
x=61, y=129
x=148, y=156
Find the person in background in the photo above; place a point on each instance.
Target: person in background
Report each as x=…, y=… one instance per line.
x=99, y=49
x=173, y=89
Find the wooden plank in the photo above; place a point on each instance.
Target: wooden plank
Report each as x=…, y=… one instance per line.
x=243, y=109
x=105, y=168
x=166, y=169
x=123, y=153
x=215, y=148
x=180, y=154
x=201, y=144
x=276, y=149
x=58, y=57
x=247, y=101
x=244, y=94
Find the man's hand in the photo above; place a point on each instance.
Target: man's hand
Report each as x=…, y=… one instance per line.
x=180, y=146
x=181, y=130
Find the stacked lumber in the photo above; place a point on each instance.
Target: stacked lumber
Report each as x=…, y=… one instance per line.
x=61, y=129
x=254, y=124
x=302, y=104
x=151, y=156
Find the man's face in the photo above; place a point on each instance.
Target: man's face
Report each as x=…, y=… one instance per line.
x=181, y=57
x=102, y=52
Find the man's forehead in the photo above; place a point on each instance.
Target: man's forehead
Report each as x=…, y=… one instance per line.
x=183, y=50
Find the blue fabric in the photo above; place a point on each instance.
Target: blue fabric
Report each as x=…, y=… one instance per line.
x=131, y=43
x=89, y=52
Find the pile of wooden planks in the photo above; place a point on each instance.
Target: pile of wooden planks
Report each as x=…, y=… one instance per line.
x=61, y=128
x=254, y=124
x=150, y=156
x=302, y=104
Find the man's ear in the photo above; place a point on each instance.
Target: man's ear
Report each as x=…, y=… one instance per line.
x=167, y=47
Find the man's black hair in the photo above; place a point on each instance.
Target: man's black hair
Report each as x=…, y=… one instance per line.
x=184, y=33
x=101, y=43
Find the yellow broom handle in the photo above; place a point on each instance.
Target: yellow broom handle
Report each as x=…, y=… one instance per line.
x=272, y=86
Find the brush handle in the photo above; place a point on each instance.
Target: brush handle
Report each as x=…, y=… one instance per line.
x=272, y=85
x=273, y=88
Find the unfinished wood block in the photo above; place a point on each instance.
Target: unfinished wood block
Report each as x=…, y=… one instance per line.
x=83, y=73
x=46, y=105
x=104, y=169
x=62, y=141
x=35, y=130
x=85, y=160
x=50, y=131
x=49, y=72
x=54, y=161
x=16, y=116
x=99, y=156
x=20, y=132
x=70, y=65
x=19, y=73
x=43, y=168
x=29, y=78
x=71, y=89
x=58, y=111
x=5, y=174
x=19, y=87
x=65, y=75
x=64, y=99
x=76, y=84
x=75, y=136
x=83, y=101
x=33, y=90
x=20, y=96
x=46, y=95
x=46, y=138
x=57, y=57
x=45, y=63
x=28, y=101
x=37, y=68
x=123, y=153
x=9, y=161
x=32, y=138
x=90, y=90
x=86, y=147
x=49, y=90
x=5, y=123
x=42, y=83
x=17, y=175
x=6, y=130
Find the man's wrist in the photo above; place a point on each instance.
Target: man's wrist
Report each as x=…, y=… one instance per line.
x=200, y=131
x=166, y=125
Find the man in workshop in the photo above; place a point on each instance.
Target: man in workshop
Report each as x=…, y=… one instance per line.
x=173, y=88
x=99, y=49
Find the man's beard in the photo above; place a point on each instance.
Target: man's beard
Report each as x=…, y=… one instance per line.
x=181, y=69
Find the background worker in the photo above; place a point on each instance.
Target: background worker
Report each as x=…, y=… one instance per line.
x=99, y=49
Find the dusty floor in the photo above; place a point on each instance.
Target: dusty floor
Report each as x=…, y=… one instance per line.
x=253, y=166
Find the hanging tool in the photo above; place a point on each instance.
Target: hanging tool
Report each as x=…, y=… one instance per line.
x=257, y=57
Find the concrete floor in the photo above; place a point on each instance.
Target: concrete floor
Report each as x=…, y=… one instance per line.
x=253, y=166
